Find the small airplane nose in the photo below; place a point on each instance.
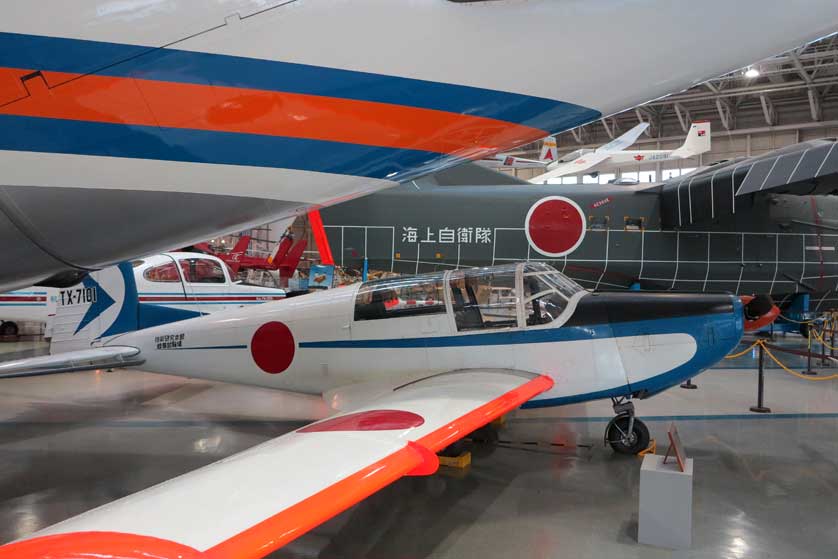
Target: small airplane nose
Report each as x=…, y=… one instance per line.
x=759, y=311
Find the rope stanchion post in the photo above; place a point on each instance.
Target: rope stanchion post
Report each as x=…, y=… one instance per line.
x=809, y=370
x=760, y=408
x=823, y=349
x=688, y=384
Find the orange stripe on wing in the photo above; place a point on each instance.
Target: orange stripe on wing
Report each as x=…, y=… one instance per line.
x=289, y=524
x=251, y=111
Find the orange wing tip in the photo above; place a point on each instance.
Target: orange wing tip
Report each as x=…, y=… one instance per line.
x=85, y=545
x=430, y=461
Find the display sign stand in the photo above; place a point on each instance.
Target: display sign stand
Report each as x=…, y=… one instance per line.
x=666, y=498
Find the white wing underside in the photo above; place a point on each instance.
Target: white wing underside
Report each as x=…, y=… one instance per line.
x=576, y=167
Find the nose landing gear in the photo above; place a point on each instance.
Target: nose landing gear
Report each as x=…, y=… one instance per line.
x=625, y=433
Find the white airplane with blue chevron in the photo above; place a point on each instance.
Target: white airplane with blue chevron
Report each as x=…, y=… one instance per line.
x=170, y=286
x=410, y=365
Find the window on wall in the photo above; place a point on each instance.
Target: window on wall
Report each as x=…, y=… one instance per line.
x=165, y=273
x=202, y=270
x=588, y=179
x=570, y=180
x=633, y=223
x=670, y=173
x=606, y=178
x=400, y=297
x=484, y=298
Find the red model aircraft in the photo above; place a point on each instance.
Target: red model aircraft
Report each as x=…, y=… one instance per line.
x=285, y=258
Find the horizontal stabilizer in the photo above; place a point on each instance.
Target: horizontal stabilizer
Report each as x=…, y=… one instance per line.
x=82, y=360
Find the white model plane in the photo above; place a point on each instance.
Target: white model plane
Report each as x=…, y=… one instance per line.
x=407, y=380
x=549, y=154
x=159, y=123
x=614, y=154
x=170, y=286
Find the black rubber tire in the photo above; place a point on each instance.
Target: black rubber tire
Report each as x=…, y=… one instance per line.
x=639, y=436
x=8, y=329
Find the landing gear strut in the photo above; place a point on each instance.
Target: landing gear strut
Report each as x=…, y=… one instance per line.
x=625, y=433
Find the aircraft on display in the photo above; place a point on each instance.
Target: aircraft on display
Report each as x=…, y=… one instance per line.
x=284, y=259
x=34, y=304
x=171, y=286
x=758, y=225
x=549, y=154
x=132, y=127
x=407, y=381
x=614, y=154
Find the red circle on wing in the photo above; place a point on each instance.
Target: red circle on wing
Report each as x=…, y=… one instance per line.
x=273, y=347
x=555, y=226
x=373, y=420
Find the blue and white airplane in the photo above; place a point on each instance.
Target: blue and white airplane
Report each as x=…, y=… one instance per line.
x=170, y=286
x=410, y=364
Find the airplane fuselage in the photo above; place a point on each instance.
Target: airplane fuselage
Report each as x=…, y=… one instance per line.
x=778, y=244
x=600, y=345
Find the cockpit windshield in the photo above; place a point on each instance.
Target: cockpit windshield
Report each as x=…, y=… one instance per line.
x=546, y=293
x=484, y=298
x=400, y=297
x=509, y=296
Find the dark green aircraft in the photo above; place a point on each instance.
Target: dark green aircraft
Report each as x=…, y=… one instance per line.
x=759, y=225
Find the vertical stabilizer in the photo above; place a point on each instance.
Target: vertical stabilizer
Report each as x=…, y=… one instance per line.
x=697, y=142
x=104, y=304
x=549, y=150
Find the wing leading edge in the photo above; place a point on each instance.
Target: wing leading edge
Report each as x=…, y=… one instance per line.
x=254, y=502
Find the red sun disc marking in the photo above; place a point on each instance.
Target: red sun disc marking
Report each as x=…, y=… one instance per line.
x=555, y=226
x=272, y=347
x=373, y=420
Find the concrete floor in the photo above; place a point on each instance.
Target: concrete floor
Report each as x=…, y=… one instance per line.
x=765, y=485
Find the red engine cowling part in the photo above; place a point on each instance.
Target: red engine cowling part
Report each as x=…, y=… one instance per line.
x=760, y=311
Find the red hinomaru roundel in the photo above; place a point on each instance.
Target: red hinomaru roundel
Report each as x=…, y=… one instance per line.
x=555, y=226
x=273, y=347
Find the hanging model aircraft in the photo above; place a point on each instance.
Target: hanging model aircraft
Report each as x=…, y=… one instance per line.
x=614, y=154
x=759, y=225
x=408, y=381
x=132, y=127
x=549, y=154
x=170, y=286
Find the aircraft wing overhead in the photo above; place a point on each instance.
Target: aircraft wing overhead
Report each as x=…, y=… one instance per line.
x=624, y=141
x=576, y=167
x=254, y=502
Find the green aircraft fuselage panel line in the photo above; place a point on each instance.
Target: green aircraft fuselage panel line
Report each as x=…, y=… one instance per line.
x=760, y=225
